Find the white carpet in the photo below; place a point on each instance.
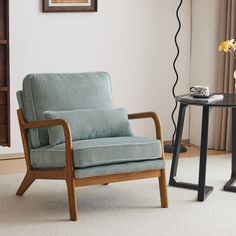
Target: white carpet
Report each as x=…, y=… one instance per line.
x=129, y=208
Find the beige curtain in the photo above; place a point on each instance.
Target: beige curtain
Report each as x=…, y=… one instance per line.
x=226, y=82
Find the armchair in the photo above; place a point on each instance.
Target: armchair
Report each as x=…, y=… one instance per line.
x=82, y=162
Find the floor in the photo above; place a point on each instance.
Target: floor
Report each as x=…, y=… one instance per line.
x=18, y=165
x=128, y=208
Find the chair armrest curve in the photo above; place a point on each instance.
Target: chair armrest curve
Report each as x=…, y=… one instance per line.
x=157, y=122
x=47, y=123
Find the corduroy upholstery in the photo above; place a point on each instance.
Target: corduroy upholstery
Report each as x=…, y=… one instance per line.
x=89, y=124
x=72, y=97
x=62, y=92
x=120, y=168
x=95, y=152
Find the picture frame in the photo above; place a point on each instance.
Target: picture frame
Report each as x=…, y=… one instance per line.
x=70, y=5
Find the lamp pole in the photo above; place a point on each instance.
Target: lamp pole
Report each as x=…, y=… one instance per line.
x=169, y=148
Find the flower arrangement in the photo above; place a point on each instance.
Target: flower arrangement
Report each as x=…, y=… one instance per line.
x=228, y=46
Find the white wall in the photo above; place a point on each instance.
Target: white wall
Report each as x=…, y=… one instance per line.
x=132, y=40
x=204, y=54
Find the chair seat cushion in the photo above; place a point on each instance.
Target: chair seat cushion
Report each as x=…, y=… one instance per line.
x=95, y=152
x=120, y=168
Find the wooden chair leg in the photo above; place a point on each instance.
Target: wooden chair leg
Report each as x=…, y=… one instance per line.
x=163, y=189
x=72, y=200
x=27, y=181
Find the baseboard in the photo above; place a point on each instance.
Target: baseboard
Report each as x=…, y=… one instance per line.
x=184, y=141
x=196, y=146
x=11, y=156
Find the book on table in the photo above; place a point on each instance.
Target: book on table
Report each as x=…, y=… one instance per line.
x=211, y=98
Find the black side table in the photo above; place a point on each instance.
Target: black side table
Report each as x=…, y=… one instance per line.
x=203, y=190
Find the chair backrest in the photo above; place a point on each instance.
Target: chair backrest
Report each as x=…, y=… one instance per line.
x=61, y=92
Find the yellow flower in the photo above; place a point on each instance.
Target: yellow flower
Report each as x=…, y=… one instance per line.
x=231, y=42
x=233, y=46
x=229, y=46
x=226, y=45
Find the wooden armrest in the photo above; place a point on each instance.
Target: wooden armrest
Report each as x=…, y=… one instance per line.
x=47, y=123
x=50, y=123
x=157, y=121
x=142, y=115
x=151, y=115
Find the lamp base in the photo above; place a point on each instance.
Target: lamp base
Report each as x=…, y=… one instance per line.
x=169, y=148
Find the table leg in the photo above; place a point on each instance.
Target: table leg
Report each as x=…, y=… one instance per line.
x=174, y=165
x=228, y=186
x=204, y=191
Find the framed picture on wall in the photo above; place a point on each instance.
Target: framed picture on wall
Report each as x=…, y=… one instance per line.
x=69, y=5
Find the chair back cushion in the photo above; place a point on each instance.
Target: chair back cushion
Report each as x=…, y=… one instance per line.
x=62, y=92
x=89, y=124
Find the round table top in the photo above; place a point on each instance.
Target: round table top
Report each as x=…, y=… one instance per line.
x=229, y=100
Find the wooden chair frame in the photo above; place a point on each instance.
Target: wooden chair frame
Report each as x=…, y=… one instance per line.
x=67, y=173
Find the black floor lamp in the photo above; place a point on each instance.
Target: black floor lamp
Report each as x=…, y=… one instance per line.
x=169, y=148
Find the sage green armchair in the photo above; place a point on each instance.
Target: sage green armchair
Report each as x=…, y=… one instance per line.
x=71, y=131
